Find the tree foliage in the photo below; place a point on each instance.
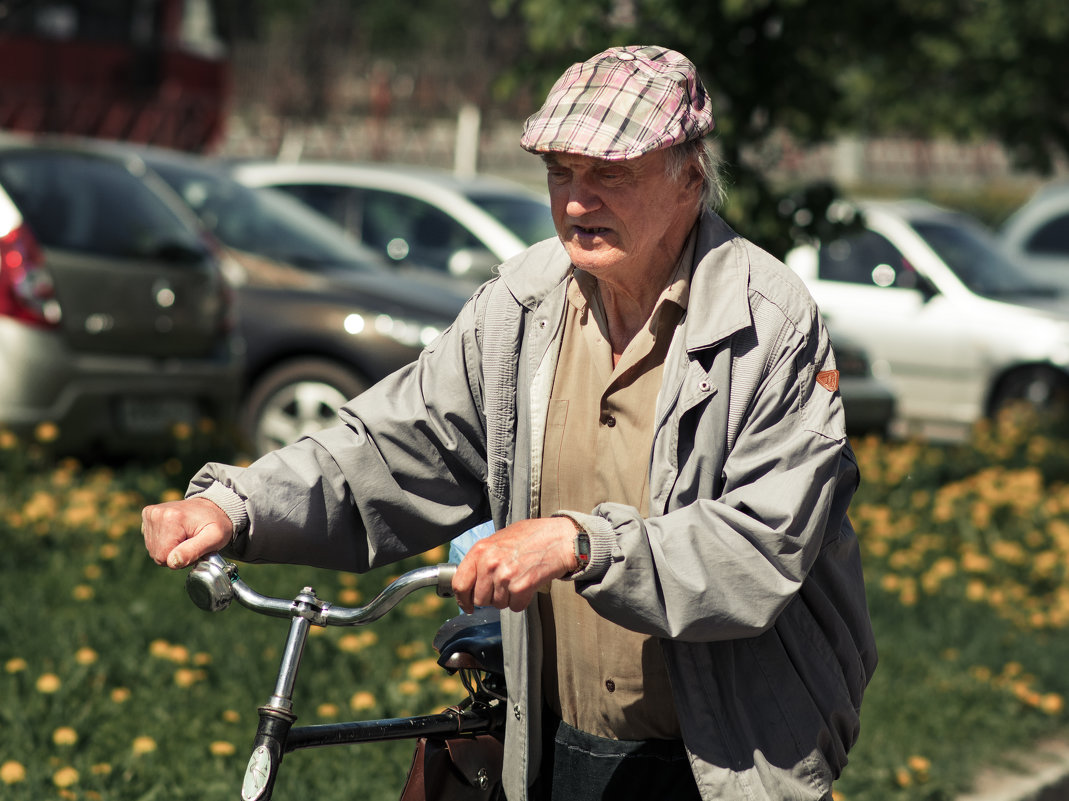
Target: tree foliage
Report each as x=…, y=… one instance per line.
x=967, y=69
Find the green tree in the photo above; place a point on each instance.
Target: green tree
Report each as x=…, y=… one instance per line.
x=816, y=68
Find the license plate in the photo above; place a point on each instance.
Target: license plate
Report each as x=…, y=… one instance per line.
x=154, y=415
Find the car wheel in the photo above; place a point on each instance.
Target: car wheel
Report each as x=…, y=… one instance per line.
x=295, y=399
x=1042, y=388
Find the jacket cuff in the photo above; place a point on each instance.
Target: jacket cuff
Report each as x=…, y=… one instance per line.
x=227, y=500
x=602, y=541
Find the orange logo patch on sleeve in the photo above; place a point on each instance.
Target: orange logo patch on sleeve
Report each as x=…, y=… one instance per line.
x=829, y=379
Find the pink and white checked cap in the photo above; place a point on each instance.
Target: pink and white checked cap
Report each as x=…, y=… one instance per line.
x=621, y=104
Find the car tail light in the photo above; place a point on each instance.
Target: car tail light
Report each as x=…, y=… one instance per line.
x=26, y=291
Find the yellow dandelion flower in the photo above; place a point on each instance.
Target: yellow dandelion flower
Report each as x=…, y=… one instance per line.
x=46, y=432
x=327, y=710
x=450, y=685
x=187, y=677
x=48, y=683
x=362, y=700
x=231, y=716
x=171, y=495
x=200, y=659
x=409, y=650
x=349, y=597
x=65, y=777
x=423, y=668
x=109, y=551
x=976, y=590
x=120, y=695
x=143, y=745
x=1052, y=703
x=427, y=605
x=100, y=769
x=222, y=748
x=12, y=772
x=159, y=648
x=15, y=665
x=182, y=431
x=82, y=592
x=920, y=766
x=85, y=656
x=974, y=562
x=7, y=440
x=408, y=687
x=178, y=654
x=1012, y=669
x=64, y=735
x=903, y=778
x=352, y=643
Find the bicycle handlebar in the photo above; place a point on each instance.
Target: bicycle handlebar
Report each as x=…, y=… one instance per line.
x=214, y=582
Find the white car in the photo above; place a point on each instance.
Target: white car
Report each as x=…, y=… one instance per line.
x=955, y=329
x=1036, y=236
x=416, y=215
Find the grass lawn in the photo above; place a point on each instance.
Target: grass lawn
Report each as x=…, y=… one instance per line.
x=115, y=686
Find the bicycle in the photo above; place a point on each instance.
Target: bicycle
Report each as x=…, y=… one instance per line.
x=468, y=645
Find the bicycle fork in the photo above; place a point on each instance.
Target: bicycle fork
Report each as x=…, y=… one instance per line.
x=276, y=716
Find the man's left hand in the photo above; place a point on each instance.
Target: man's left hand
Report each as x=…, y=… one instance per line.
x=506, y=569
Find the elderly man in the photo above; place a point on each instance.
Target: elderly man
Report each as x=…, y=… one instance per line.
x=648, y=409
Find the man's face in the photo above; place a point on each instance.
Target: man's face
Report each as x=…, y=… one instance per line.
x=620, y=220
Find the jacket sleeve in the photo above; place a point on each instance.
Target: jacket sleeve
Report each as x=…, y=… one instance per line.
x=741, y=532
x=404, y=471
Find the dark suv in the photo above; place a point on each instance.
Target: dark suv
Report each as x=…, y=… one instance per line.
x=116, y=324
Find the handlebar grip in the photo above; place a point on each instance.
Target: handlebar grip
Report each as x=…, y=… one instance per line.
x=445, y=579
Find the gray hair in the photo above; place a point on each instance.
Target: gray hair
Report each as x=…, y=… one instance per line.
x=706, y=159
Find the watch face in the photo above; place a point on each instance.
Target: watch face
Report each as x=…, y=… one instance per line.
x=582, y=546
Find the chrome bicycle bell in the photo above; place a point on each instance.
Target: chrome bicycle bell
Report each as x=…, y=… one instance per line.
x=208, y=584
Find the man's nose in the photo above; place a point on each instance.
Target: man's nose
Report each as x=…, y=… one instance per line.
x=582, y=198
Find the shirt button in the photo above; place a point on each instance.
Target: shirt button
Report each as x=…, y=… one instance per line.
x=609, y=420
x=610, y=685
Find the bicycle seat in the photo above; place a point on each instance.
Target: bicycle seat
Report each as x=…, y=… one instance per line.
x=471, y=642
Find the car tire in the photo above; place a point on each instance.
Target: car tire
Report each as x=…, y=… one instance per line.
x=294, y=399
x=1045, y=389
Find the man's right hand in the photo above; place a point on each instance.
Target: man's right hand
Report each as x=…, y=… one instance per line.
x=180, y=532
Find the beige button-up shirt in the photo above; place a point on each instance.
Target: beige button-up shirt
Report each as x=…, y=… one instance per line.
x=599, y=677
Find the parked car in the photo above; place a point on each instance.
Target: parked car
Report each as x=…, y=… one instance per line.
x=868, y=402
x=956, y=330
x=463, y=226
x=115, y=320
x=322, y=317
x=1036, y=236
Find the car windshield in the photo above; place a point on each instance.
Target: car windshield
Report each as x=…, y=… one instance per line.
x=528, y=218
x=972, y=254
x=266, y=222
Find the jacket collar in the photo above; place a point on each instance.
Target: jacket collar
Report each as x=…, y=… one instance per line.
x=720, y=279
x=720, y=283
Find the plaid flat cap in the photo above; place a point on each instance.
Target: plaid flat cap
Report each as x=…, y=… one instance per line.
x=621, y=104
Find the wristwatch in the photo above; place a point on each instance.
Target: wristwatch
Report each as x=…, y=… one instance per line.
x=581, y=543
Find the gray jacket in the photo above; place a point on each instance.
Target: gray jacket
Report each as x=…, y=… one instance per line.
x=747, y=567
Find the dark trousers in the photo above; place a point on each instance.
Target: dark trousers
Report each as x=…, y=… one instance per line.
x=577, y=766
